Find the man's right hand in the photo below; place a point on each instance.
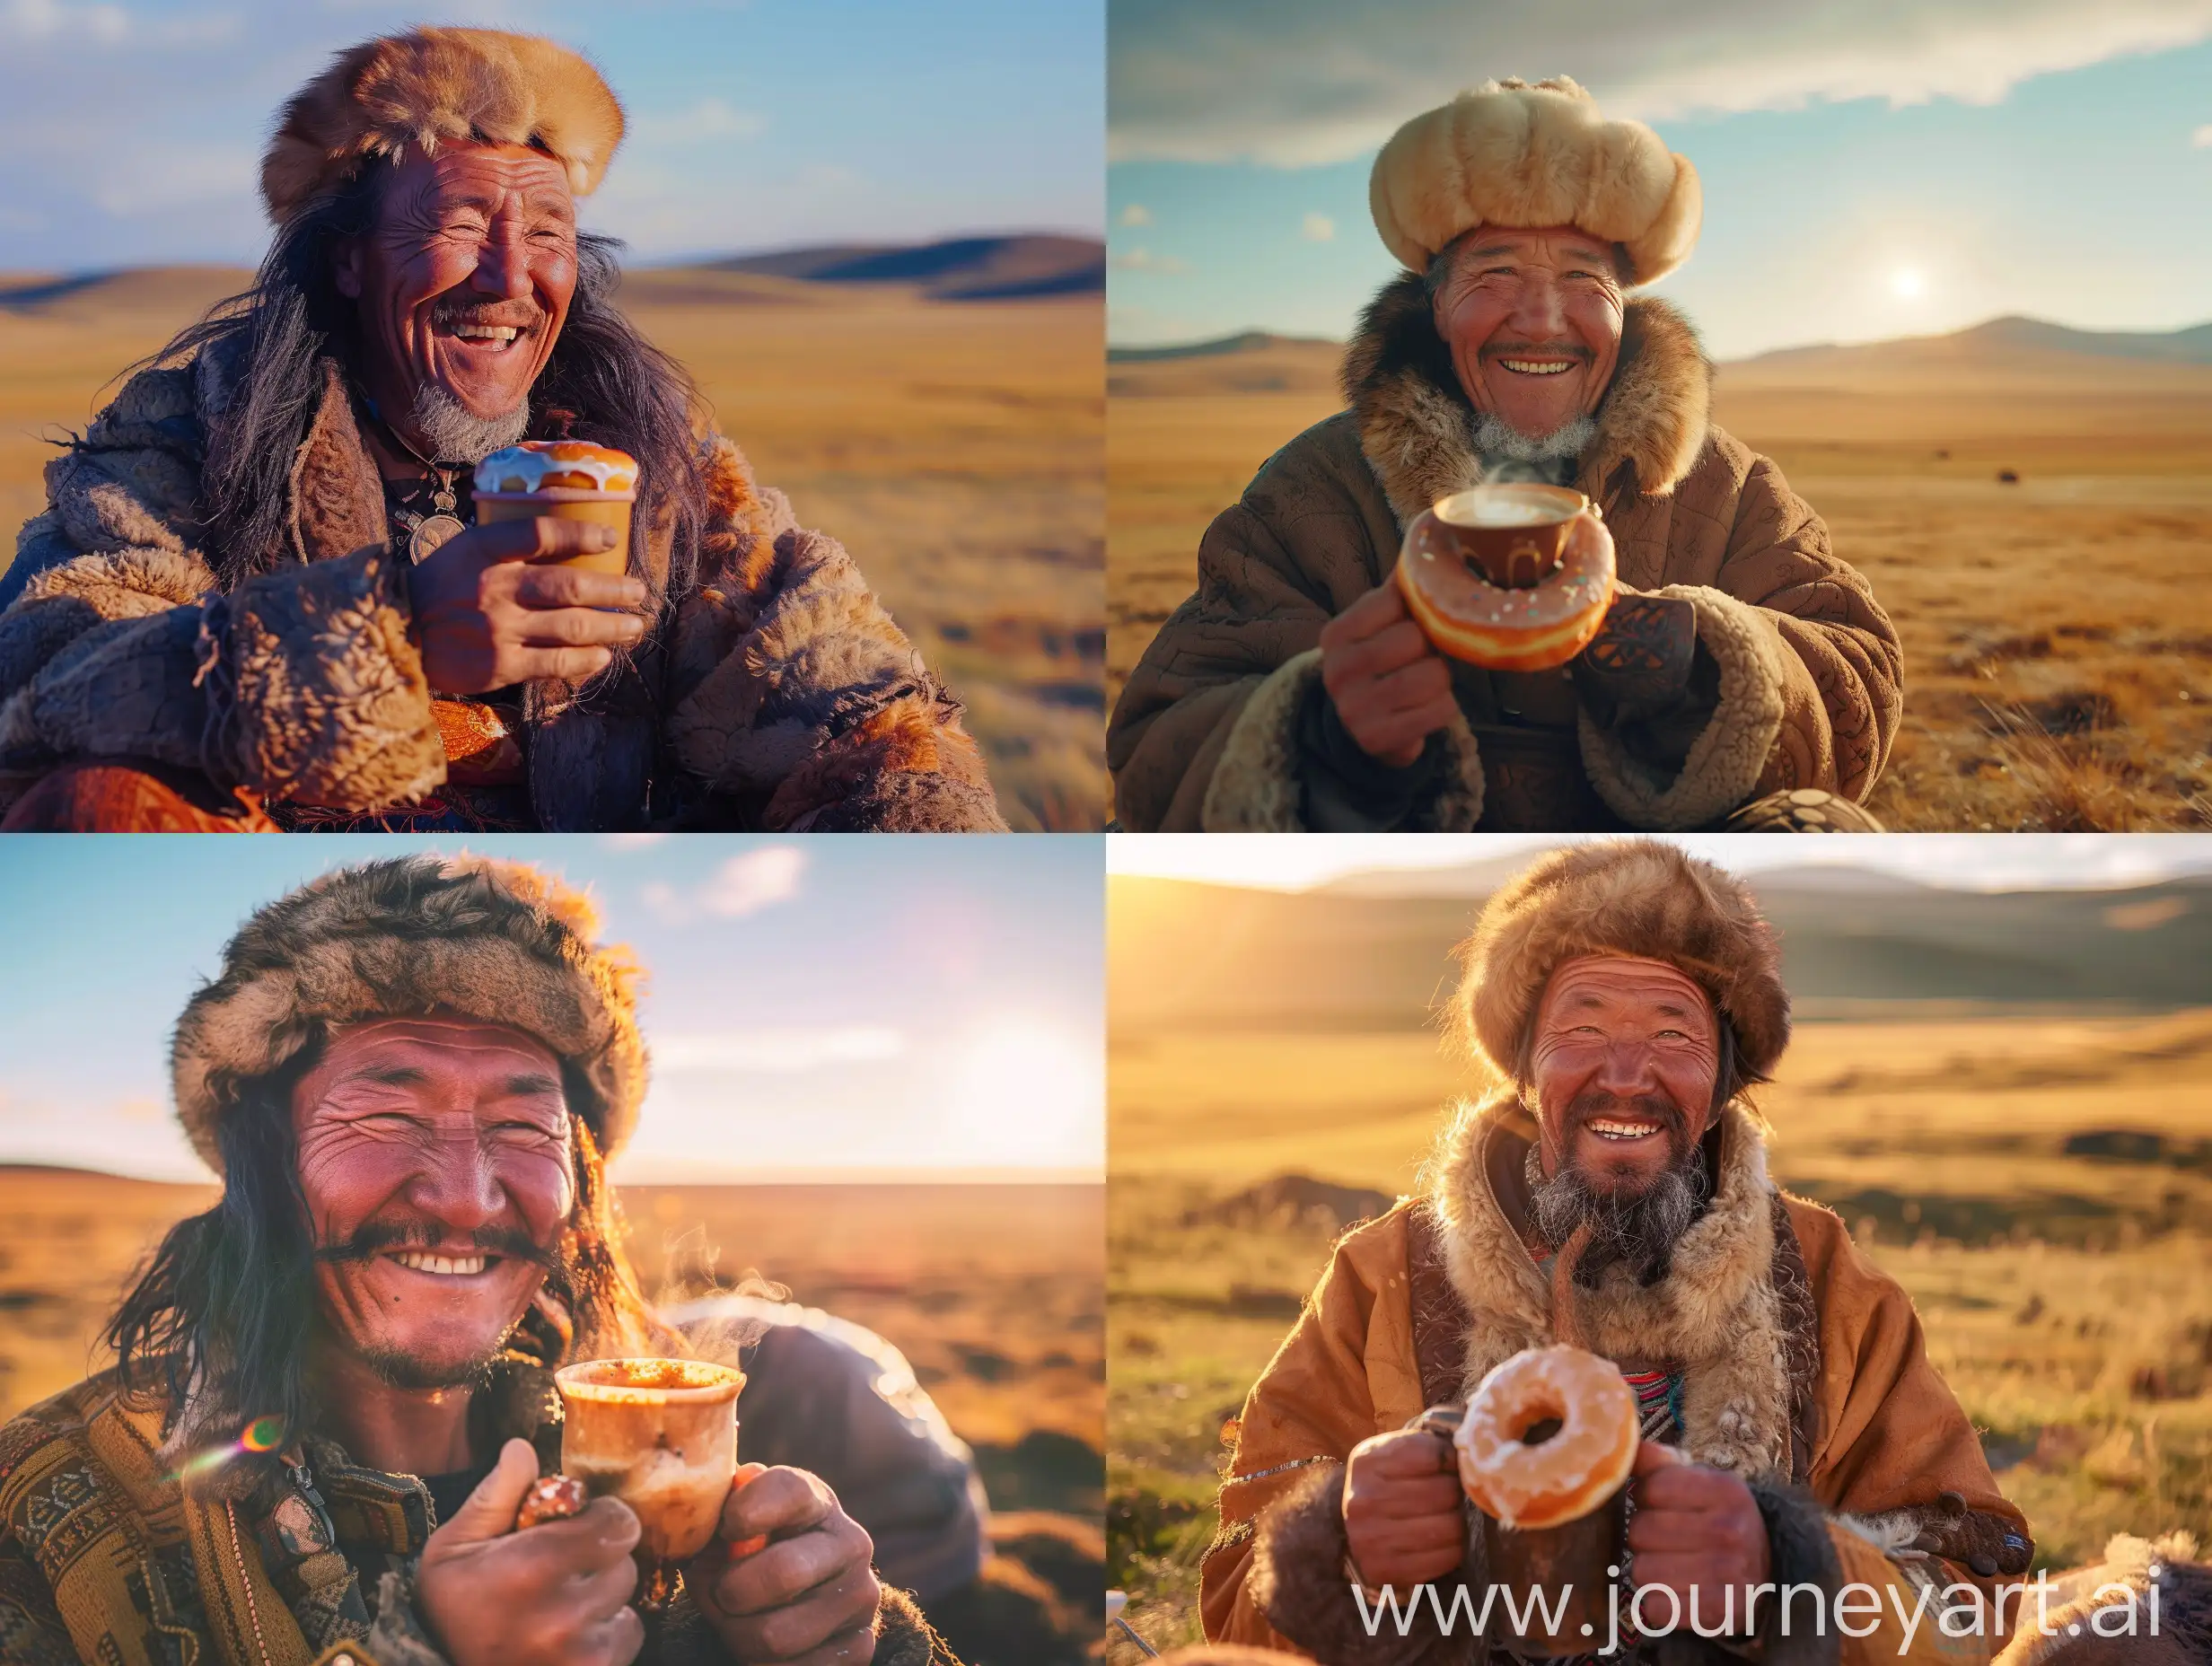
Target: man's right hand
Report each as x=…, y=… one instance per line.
x=557, y=1593
x=1391, y=688
x=490, y=612
x=1403, y=1517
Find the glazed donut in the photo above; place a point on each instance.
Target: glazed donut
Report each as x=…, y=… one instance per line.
x=1471, y=619
x=565, y=465
x=1565, y=1476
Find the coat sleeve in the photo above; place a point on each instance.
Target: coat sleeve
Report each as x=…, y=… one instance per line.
x=794, y=699
x=1808, y=675
x=299, y=684
x=1205, y=735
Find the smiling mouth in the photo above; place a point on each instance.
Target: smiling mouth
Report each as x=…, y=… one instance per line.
x=491, y=337
x=442, y=1265
x=1539, y=367
x=1614, y=1128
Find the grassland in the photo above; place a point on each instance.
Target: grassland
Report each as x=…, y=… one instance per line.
x=2057, y=641
x=2042, y=1188
x=953, y=446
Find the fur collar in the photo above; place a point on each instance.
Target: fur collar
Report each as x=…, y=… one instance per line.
x=1716, y=1317
x=1416, y=427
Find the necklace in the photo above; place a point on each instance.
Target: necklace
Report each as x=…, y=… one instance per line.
x=440, y=526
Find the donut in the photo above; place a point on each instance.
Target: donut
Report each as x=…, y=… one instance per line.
x=1567, y=1475
x=551, y=1498
x=1468, y=616
x=564, y=465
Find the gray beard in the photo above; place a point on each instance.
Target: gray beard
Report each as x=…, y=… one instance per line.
x=1508, y=454
x=1638, y=1231
x=453, y=435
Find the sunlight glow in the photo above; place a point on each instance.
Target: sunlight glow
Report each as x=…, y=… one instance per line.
x=1027, y=1091
x=1906, y=284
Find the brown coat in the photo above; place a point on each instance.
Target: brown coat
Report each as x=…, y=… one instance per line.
x=1204, y=736
x=775, y=693
x=1803, y=1371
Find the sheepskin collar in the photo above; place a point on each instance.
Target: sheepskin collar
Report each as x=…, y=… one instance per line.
x=1716, y=1316
x=1416, y=427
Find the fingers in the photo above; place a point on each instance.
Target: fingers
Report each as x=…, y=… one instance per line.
x=809, y=1628
x=489, y=1511
x=789, y=1568
x=576, y=628
x=1401, y=1451
x=1654, y=1455
x=543, y=539
x=619, y=1638
x=780, y=1500
x=1364, y=657
x=576, y=587
x=607, y=1531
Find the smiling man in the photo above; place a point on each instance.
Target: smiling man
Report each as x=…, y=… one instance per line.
x=1744, y=671
x=259, y=598
x=1614, y=1194
x=333, y=1388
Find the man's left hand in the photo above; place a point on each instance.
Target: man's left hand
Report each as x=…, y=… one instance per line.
x=1696, y=1531
x=809, y=1598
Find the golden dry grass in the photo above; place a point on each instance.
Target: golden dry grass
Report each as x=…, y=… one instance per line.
x=2057, y=631
x=954, y=447
x=992, y=1292
x=2065, y=1297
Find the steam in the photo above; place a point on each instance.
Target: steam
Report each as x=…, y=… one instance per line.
x=1510, y=457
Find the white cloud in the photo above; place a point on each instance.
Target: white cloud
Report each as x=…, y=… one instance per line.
x=708, y=120
x=745, y=884
x=1317, y=228
x=1144, y=260
x=786, y=1050
x=1297, y=83
x=2202, y=137
x=632, y=841
x=1137, y=214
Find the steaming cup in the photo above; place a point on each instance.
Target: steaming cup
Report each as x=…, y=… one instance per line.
x=660, y=1434
x=1513, y=533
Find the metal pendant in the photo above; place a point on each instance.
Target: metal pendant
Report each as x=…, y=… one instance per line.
x=429, y=534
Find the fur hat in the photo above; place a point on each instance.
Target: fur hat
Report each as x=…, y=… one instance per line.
x=433, y=87
x=1636, y=897
x=1512, y=154
x=463, y=936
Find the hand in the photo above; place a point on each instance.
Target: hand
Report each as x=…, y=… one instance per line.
x=1391, y=688
x=1696, y=1528
x=810, y=1597
x=556, y=1594
x=486, y=616
x=1404, y=1519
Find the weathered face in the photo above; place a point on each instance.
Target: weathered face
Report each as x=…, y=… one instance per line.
x=1623, y=1063
x=1533, y=320
x=435, y=1159
x=464, y=280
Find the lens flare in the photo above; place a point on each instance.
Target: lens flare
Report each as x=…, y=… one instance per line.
x=263, y=1434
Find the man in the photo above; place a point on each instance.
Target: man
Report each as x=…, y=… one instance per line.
x=1616, y=1196
x=334, y=1387
x=257, y=600
x=1743, y=661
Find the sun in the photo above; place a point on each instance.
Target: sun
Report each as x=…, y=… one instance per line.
x=1908, y=284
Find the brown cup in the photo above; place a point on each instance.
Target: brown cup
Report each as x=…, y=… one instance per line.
x=565, y=504
x=1573, y=1556
x=660, y=1434
x=1513, y=534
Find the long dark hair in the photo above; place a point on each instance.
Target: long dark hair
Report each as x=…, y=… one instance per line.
x=218, y=1328
x=604, y=382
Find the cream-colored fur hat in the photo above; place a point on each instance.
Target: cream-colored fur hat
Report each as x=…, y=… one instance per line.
x=433, y=87
x=458, y=936
x=1633, y=896
x=1512, y=154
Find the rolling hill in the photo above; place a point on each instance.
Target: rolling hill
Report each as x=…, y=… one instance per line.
x=1187, y=956
x=1017, y=266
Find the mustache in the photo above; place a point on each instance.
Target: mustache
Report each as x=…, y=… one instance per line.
x=372, y=1238
x=1589, y=1106
x=512, y=314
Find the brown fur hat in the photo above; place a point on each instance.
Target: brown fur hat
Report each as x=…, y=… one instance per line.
x=1636, y=897
x=433, y=86
x=462, y=936
x=1513, y=155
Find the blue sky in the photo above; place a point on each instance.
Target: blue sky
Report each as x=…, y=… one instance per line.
x=907, y=1007
x=132, y=128
x=1870, y=170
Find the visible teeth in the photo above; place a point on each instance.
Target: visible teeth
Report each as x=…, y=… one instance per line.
x=1623, y=1130
x=451, y=1265
x=1530, y=367
x=487, y=332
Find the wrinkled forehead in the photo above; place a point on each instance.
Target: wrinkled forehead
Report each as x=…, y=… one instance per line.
x=1529, y=243
x=1598, y=982
x=402, y=1052
x=468, y=170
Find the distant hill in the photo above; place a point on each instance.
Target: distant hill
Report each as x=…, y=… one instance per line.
x=2012, y=337
x=1186, y=955
x=1249, y=341
x=959, y=268
x=179, y=292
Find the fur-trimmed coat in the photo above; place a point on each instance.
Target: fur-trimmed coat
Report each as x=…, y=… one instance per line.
x=105, y=1555
x=1803, y=1370
x=775, y=694
x=1206, y=734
